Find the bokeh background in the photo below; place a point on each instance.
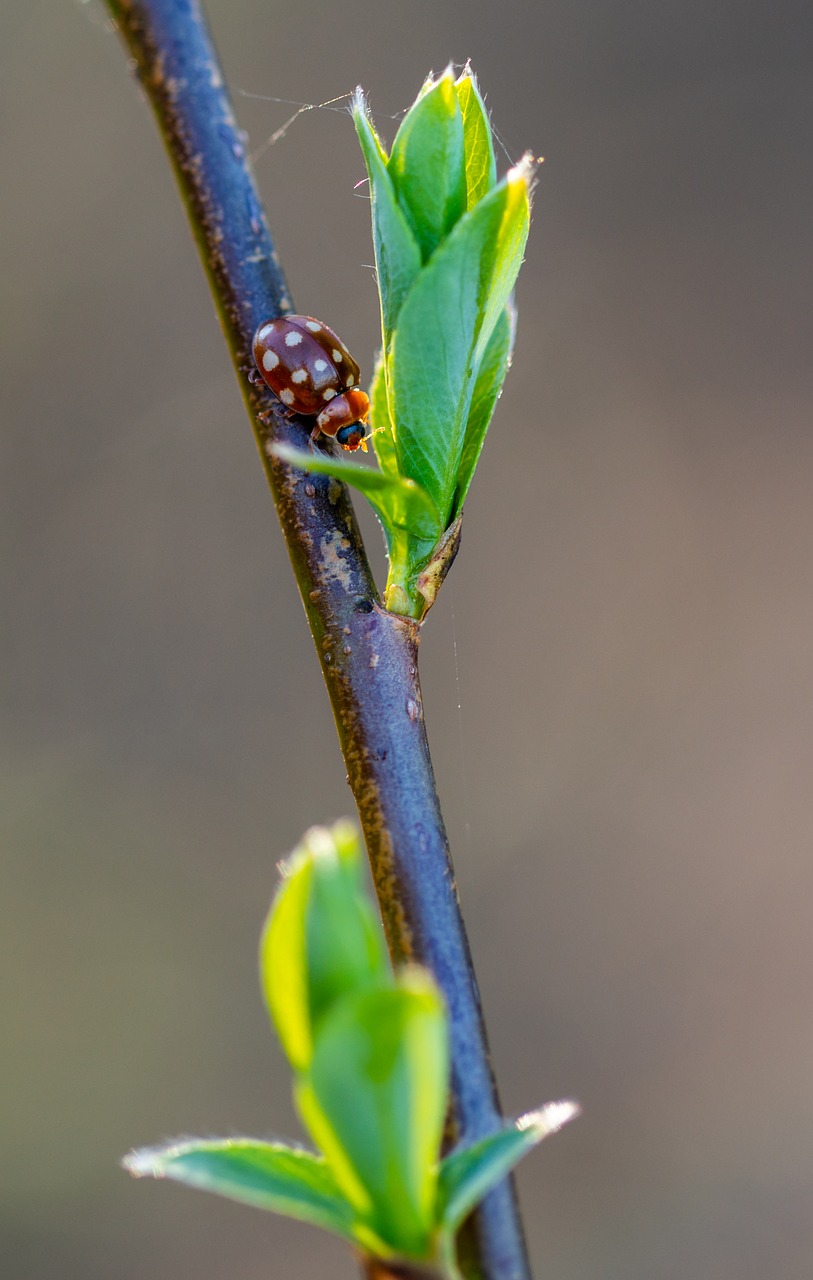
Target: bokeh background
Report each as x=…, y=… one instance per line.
x=618, y=676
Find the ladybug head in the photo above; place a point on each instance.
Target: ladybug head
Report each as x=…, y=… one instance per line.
x=343, y=418
x=351, y=436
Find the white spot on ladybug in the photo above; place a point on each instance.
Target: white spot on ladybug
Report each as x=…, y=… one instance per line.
x=313, y=325
x=320, y=365
x=286, y=396
x=293, y=338
x=264, y=332
x=270, y=360
x=299, y=375
x=329, y=394
x=337, y=355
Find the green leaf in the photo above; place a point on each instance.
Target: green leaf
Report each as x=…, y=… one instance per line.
x=283, y=971
x=510, y=247
x=469, y=1173
x=268, y=1175
x=375, y=1100
x=428, y=164
x=449, y=313
x=400, y=503
x=322, y=938
x=490, y=377
x=345, y=941
x=481, y=167
x=383, y=434
x=397, y=255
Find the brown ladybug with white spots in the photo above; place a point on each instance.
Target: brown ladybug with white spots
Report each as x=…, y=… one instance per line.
x=313, y=373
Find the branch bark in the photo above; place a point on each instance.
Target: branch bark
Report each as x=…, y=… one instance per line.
x=369, y=657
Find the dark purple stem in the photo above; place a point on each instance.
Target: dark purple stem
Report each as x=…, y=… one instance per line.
x=369, y=657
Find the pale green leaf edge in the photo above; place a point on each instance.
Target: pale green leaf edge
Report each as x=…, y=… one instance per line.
x=490, y=378
x=397, y=254
x=512, y=239
x=383, y=434
x=481, y=165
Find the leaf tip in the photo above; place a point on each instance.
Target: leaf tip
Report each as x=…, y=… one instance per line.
x=468, y=73
x=523, y=172
x=358, y=102
x=144, y=1162
x=550, y=1118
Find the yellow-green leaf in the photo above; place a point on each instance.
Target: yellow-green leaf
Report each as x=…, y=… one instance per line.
x=481, y=168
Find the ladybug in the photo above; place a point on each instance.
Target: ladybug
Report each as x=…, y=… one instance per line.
x=313, y=373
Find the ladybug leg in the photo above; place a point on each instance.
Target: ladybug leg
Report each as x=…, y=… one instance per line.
x=265, y=416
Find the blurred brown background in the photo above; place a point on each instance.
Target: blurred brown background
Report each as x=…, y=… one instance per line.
x=628, y=780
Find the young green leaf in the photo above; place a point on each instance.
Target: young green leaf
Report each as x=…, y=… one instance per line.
x=490, y=377
x=397, y=255
x=481, y=167
x=510, y=247
x=469, y=1173
x=383, y=433
x=267, y=1175
x=399, y=502
x=375, y=1100
x=434, y=358
x=428, y=164
x=345, y=941
x=321, y=939
x=283, y=972
x=446, y=343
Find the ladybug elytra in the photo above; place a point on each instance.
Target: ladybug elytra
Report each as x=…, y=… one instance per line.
x=311, y=371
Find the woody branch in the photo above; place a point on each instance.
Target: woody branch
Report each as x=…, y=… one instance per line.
x=368, y=656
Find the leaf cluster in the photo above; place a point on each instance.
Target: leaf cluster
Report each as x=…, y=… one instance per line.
x=369, y=1053
x=449, y=240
